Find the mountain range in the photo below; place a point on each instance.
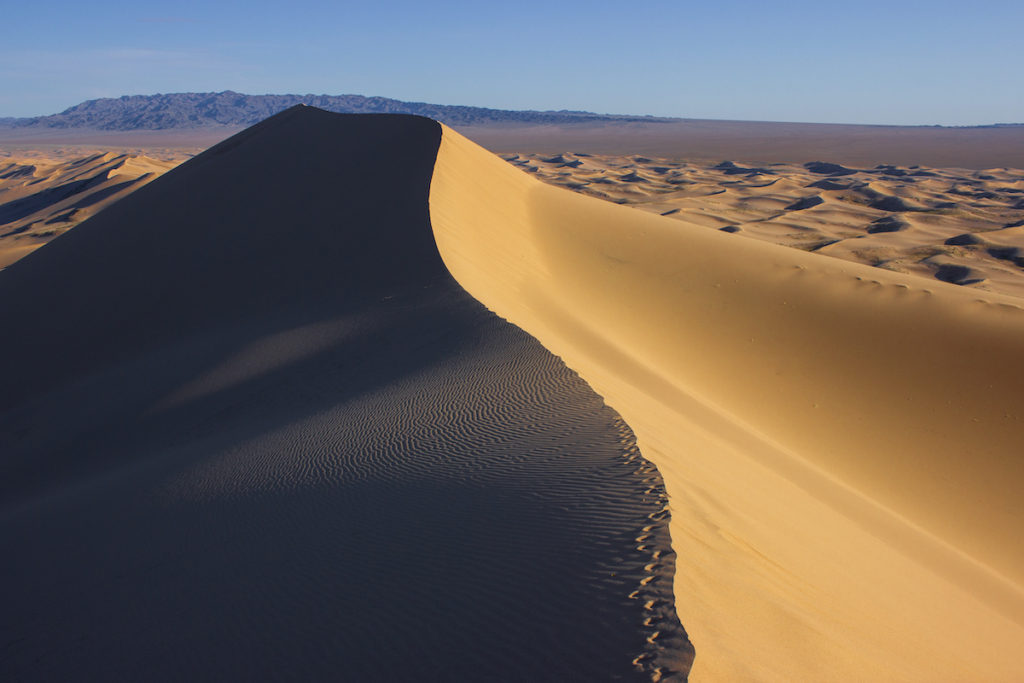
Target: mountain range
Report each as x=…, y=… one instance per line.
x=228, y=108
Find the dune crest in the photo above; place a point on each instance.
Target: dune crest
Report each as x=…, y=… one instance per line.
x=840, y=444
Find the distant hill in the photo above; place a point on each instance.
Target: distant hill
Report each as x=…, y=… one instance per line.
x=193, y=110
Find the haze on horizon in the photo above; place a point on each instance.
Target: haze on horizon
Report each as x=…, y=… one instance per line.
x=911, y=63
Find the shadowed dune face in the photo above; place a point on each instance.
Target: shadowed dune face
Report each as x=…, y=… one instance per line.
x=840, y=444
x=252, y=428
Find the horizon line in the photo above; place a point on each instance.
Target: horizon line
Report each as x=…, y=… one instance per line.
x=655, y=118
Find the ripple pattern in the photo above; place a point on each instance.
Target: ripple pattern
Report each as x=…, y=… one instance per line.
x=455, y=506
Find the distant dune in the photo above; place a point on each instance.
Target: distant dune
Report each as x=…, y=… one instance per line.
x=258, y=419
x=44, y=195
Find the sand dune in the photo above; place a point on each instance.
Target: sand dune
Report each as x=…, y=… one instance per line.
x=44, y=194
x=252, y=429
x=840, y=444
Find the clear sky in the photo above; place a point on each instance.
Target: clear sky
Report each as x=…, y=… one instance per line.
x=901, y=61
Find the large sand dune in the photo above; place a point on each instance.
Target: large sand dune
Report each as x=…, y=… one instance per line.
x=236, y=397
x=841, y=444
x=251, y=429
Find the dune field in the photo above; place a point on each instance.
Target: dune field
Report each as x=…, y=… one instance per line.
x=45, y=193
x=957, y=225
x=308, y=405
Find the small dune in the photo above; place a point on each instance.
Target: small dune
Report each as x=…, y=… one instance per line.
x=887, y=224
x=956, y=274
x=964, y=239
x=825, y=168
x=805, y=203
x=829, y=185
x=891, y=203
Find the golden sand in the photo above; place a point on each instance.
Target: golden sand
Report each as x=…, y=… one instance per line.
x=44, y=194
x=840, y=443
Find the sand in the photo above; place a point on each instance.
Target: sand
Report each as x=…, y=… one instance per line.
x=252, y=429
x=290, y=379
x=840, y=443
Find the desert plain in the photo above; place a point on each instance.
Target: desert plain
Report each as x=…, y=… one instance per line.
x=355, y=394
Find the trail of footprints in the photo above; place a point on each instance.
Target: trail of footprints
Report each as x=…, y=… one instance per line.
x=668, y=654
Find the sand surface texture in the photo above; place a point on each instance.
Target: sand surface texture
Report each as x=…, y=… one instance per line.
x=841, y=444
x=44, y=193
x=957, y=225
x=252, y=429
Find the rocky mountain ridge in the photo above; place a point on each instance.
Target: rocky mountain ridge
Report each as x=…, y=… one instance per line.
x=228, y=108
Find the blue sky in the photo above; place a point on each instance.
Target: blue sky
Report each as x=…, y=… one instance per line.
x=901, y=62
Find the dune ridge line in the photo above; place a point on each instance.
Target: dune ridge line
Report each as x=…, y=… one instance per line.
x=840, y=444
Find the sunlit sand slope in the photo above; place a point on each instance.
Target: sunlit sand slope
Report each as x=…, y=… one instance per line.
x=841, y=444
x=251, y=429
